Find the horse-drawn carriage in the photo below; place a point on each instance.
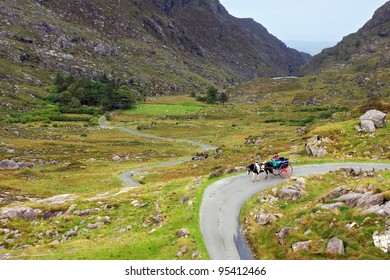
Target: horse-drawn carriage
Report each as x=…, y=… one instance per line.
x=281, y=167
x=276, y=166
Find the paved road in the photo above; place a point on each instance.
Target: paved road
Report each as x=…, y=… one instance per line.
x=222, y=202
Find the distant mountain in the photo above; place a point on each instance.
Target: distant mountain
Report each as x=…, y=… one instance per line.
x=157, y=46
x=365, y=50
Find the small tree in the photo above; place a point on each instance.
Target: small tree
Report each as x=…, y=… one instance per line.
x=212, y=95
x=223, y=98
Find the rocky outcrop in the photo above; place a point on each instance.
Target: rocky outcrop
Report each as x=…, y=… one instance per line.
x=293, y=192
x=23, y=212
x=372, y=120
x=316, y=146
x=357, y=49
x=11, y=164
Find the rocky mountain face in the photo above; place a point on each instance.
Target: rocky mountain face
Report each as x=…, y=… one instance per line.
x=157, y=46
x=365, y=50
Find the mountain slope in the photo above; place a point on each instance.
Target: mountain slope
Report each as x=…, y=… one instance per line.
x=161, y=46
x=365, y=50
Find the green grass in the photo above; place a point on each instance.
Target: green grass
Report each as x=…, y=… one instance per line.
x=166, y=109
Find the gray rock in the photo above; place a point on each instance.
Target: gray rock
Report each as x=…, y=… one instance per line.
x=367, y=126
x=315, y=146
x=369, y=200
x=265, y=218
x=351, y=199
x=283, y=233
x=8, y=164
x=183, y=199
x=86, y=212
x=182, y=233
x=95, y=225
x=331, y=206
x=377, y=117
x=298, y=246
x=24, y=212
x=335, y=246
x=382, y=241
x=337, y=192
x=291, y=193
x=359, y=199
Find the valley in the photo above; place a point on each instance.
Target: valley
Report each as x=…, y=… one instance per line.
x=118, y=119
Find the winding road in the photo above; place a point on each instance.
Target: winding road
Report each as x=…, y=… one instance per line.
x=126, y=176
x=222, y=201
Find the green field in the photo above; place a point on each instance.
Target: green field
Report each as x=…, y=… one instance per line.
x=181, y=108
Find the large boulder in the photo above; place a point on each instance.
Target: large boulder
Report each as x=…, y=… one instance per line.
x=315, y=146
x=291, y=193
x=371, y=120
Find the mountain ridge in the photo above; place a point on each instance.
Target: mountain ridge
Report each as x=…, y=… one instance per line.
x=364, y=50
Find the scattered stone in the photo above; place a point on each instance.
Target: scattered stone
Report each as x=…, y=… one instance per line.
x=116, y=159
x=95, y=225
x=183, y=199
x=182, y=233
x=86, y=212
x=298, y=246
x=136, y=203
x=350, y=226
x=200, y=156
x=71, y=233
x=283, y=233
x=335, y=246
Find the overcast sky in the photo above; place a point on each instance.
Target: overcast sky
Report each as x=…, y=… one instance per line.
x=306, y=20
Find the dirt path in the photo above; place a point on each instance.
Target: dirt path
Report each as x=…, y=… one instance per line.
x=222, y=202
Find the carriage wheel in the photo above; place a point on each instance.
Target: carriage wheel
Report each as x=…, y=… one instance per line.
x=285, y=170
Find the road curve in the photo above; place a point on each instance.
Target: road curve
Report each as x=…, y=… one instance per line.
x=222, y=202
x=126, y=176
